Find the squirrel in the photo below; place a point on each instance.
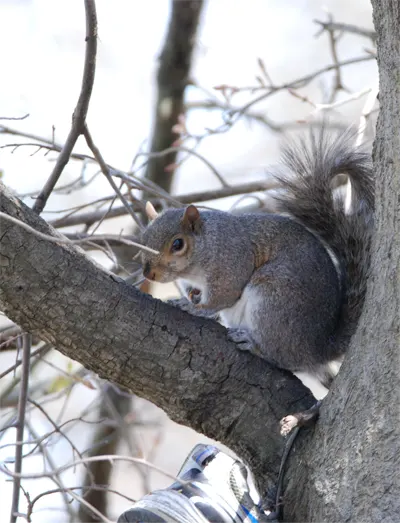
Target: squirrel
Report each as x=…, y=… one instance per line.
x=289, y=287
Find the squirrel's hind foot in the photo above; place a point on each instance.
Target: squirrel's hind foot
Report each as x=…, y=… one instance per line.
x=306, y=417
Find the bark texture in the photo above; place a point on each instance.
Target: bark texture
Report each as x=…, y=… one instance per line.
x=350, y=469
x=183, y=364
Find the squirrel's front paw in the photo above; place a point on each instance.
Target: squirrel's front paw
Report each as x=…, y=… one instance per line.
x=242, y=338
x=195, y=296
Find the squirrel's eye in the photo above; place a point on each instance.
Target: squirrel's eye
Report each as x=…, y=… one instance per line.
x=177, y=245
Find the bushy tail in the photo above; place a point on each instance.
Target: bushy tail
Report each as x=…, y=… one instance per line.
x=309, y=198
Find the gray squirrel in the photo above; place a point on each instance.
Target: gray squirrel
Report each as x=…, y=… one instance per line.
x=289, y=287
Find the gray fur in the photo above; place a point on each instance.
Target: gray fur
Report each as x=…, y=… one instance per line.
x=309, y=200
x=270, y=278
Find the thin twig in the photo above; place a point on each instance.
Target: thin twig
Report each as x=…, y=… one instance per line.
x=346, y=28
x=79, y=116
x=258, y=117
x=338, y=84
x=56, y=478
x=80, y=487
x=14, y=117
x=203, y=196
x=295, y=84
x=61, y=432
x=93, y=509
x=181, y=148
x=139, y=183
x=4, y=396
x=63, y=239
x=23, y=398
x=106, y=171
x=16, y=365
x=73, y=464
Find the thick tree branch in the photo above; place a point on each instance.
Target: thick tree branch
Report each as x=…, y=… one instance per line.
x=183, y=364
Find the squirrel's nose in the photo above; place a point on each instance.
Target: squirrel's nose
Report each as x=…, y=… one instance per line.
x=148, y=272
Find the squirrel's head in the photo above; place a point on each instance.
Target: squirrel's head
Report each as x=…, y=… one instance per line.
x=171, y=233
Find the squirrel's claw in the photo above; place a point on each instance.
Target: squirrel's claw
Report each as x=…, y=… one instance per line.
x=242, y=338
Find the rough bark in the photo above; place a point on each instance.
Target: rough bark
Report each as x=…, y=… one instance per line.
x=181, y=363
x=349, y=470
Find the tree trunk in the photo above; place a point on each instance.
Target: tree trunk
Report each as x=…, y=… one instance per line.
x=172, y=79
x=348, y=467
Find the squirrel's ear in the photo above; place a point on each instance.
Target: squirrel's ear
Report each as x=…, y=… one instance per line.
x=150, y=211
x=191, y=218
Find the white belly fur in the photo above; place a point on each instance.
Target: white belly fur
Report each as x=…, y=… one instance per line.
x=240, y=315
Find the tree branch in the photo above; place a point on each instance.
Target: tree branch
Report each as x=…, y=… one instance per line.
x=105, y=170
x=20, y=424
x=183, y=364
x=91, y=217
x=346, y=28
x=79, y=116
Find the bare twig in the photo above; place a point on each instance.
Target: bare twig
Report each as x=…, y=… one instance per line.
x=79, y=116
x=40, y=350
x=96, y=240
x=60, y=431
x=56, y=478
x=105, y=488
x=338, y=83
x=5, y=393
x=181, y=148
x=346, y=28
x=14, y=117
x=44, y=143
x=257, y=116
x=339, y=103
x=203, y=196
x=235, y=115
x=106, y=171
x=23, y=398
x=63, y=239
x=73, y=464
x=139, y=183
